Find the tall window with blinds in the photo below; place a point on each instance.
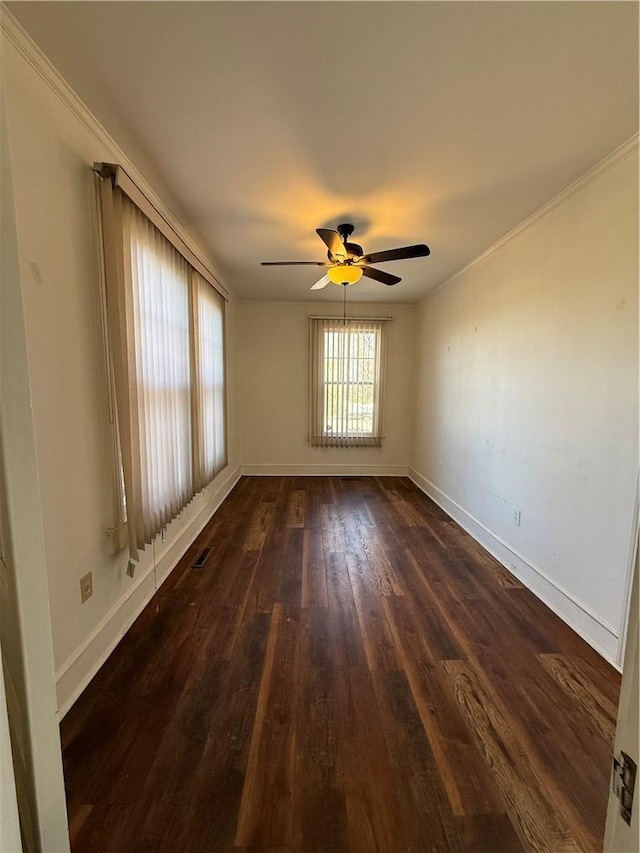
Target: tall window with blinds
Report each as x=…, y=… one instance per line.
x=166, y=340
x=210, y=445
x=161, y=373
x=347, y=382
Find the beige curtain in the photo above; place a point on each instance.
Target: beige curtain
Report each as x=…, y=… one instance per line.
x=347, y=363
x=208, y=367
x=166, y=333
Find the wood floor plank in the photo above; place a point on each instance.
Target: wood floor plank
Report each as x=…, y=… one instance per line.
x=331, y=527
x=265, y=816
x=494, y=833
x=259, y=526
x=346, y=671
x=319, y=807
x=463, y=775
x=219, y=776
x=382, y=569
x=561, y=748
x=373, y=812
x=314, y=579
x=296, y=508
x=289, y=582
x=423, y=798
x=378, y=640
x=605, y=680
x=440, y=633
x=363, y=537
x=540, y=824
x=345, y=636
x=476, y=552
x=410, y=517
x=263, y=590
x=221, y=623
x=525, y=607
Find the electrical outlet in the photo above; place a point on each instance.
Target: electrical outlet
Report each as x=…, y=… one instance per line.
x=86, y=586
x=516, y=517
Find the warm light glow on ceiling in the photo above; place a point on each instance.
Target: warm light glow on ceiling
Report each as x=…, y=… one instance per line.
x=344, y=273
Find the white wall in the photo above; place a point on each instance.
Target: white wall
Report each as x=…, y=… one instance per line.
x=527, y=398
x=273, y=384
x=53, y=141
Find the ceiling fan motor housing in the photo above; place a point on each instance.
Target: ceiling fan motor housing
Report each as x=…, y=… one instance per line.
x=345, y=230
x=354, y=252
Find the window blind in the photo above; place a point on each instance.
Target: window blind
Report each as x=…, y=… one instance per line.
x=347, y=362
x=166, y=335
x=208, y=364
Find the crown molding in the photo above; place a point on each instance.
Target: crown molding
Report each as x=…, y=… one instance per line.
x=18, y=37
x=625, y=150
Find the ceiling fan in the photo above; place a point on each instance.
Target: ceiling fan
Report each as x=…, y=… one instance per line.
x=347, y=262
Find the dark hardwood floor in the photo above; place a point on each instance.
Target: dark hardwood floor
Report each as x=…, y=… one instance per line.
x=348, y=671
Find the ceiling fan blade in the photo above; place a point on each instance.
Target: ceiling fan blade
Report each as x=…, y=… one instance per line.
x=379, y=275
x=324, y=281
x=295, y=264
x=332, y=241
x=418, y=251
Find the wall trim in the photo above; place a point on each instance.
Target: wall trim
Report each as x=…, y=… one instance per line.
x=74, y=675
x=38, y=60
x=579, y=616
x=625, y=150
x=325, y=470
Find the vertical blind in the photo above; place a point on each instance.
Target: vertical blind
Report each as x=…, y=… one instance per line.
x=161, y=373
x=347, y=382
x=208, y=413
x=166, y=334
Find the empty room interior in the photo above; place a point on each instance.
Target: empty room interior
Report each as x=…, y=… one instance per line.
x=319, y=427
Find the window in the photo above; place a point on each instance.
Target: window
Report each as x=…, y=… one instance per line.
x=347, y=381
x=166, y=337
x=161, y=374
x=210, y=447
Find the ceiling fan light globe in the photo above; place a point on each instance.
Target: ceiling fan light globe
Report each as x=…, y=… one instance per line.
x=344, y=274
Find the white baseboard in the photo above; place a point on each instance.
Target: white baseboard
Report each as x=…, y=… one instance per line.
x=80, y=667
x=594, y=630
x=325, y=470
